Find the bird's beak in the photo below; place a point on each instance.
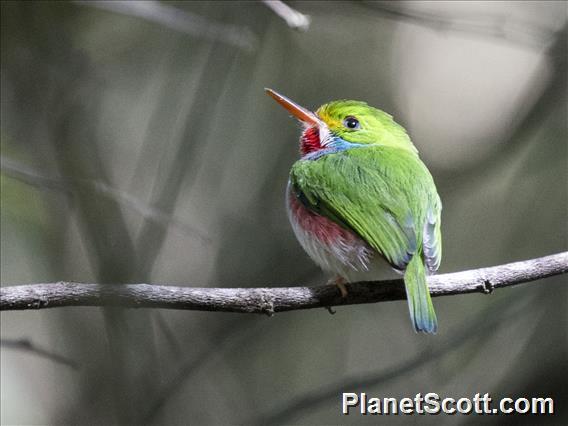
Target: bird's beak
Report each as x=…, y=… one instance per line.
x=296, y=110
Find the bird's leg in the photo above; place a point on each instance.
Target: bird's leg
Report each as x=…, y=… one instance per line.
x=339, y=281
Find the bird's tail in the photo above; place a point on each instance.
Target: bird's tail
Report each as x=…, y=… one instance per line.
x=419, y=302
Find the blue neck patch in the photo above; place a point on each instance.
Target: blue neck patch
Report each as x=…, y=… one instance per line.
x=336, y=145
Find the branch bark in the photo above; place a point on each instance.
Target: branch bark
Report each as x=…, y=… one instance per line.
x=272, y=300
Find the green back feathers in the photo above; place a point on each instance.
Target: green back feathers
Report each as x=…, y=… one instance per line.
x=388, y=198
x=381, y=193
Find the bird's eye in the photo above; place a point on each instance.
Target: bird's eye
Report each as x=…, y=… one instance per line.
x=351, y=123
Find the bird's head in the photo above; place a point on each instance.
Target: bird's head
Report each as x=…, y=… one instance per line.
x=339, y=125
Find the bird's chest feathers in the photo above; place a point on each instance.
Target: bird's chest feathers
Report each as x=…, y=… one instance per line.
x=330, y=245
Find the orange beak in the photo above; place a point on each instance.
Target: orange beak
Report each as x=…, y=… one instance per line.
x=296, y=110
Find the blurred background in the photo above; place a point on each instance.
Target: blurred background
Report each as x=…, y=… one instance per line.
x=137, y=145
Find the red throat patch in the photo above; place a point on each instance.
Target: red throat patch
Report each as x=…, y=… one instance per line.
x=310, y=141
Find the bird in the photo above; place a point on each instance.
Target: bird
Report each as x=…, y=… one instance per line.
x=359, y=195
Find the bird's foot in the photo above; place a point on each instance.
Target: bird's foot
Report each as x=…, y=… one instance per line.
x=340, y=283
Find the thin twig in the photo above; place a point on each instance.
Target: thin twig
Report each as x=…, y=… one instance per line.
x=169, y=180
x=271, y=300
x=179, y=20
x=522, y=33
x=166, y=330
x=25, y=174
x=232, y=336
x=27, y=346
x=293, y=18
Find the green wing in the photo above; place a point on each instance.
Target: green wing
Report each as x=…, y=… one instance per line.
x=385, y=195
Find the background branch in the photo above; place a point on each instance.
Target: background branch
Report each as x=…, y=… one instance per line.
x=180, y=20
x=22, y=173
x=293, y=18
x=501, y=27
x=271, y=300
x=27, y=345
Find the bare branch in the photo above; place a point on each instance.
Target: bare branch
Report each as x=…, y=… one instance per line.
x=271, y=300
x=24, y=174
x=27, y=346
x=293, y=18
x=21, y=172
x=179, y=20
x=231, y=337
x=520, y=32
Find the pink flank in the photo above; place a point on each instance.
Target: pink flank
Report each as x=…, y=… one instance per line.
x=333, y=248
x=324, y=230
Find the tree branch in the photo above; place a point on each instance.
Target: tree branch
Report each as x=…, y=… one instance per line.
x=27, y=346
x=271, y=300
x=293, y=18
x=179, y=20
x=28, y=176
x=502, y=27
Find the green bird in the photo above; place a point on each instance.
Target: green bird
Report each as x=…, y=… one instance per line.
x=359, y=194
